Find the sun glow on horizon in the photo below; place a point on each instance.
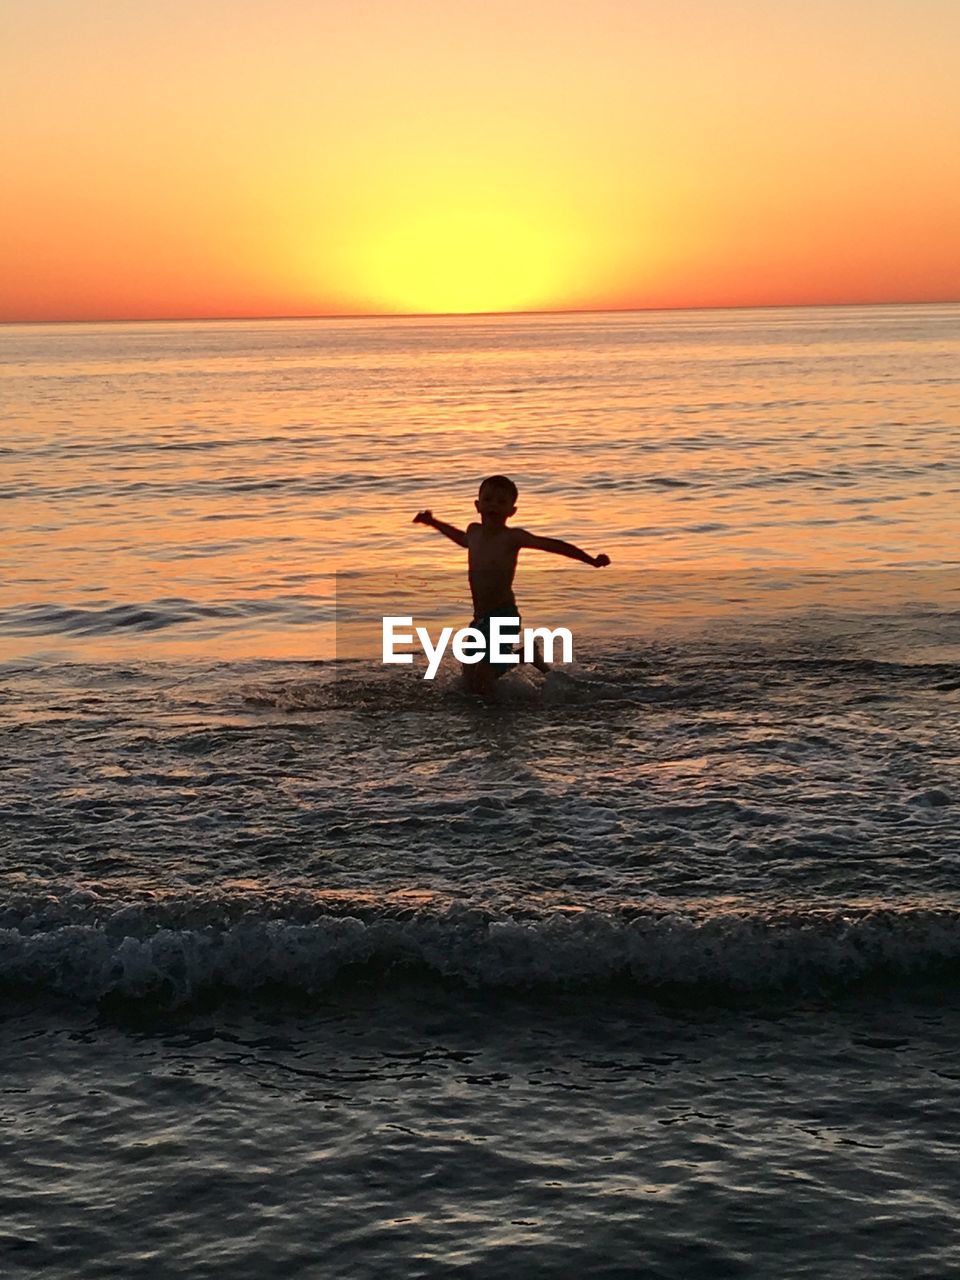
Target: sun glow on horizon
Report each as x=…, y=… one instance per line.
x=450, y=253
x=462, y=259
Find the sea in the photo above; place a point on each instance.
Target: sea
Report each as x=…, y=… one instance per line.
x=311, y=966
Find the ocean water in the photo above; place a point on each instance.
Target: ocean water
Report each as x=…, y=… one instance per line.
x=309, y=966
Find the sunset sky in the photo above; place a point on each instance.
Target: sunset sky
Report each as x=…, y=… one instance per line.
x=309, y=157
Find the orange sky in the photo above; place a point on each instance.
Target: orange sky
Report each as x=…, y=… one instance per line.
x=301, y=157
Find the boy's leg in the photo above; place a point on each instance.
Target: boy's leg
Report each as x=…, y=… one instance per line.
x=479, y=678
x=469, y=672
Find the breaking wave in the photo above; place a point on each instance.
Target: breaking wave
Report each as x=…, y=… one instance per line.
x=86, y=947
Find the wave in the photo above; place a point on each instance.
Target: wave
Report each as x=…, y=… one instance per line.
x=157, y=615
x=86, y=947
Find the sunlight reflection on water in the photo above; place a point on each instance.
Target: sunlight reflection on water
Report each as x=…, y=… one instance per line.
x=238, y=465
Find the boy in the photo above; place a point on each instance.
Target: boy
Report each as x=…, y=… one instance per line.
x=492, y=551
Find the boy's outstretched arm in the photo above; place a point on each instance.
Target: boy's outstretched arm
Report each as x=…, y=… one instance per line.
x=560, y=548
x=448, y=530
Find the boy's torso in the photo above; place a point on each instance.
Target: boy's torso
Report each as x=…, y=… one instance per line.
x=492, y=563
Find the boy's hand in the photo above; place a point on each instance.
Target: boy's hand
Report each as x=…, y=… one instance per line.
x=600, y=562
x=441, y=526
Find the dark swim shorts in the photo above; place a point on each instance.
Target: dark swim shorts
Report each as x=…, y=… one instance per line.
x=510, y=634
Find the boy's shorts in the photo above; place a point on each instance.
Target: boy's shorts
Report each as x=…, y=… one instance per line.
x=511, y=635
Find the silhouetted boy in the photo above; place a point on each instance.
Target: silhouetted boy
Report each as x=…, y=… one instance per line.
x=492, y=551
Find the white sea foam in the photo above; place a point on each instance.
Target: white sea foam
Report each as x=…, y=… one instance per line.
x=179, y=949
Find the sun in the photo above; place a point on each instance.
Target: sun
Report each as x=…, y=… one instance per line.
x=460, y=259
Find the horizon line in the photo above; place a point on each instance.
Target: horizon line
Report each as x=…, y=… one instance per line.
x=465, y=315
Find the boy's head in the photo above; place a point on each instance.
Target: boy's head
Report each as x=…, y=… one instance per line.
x=497, y=499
